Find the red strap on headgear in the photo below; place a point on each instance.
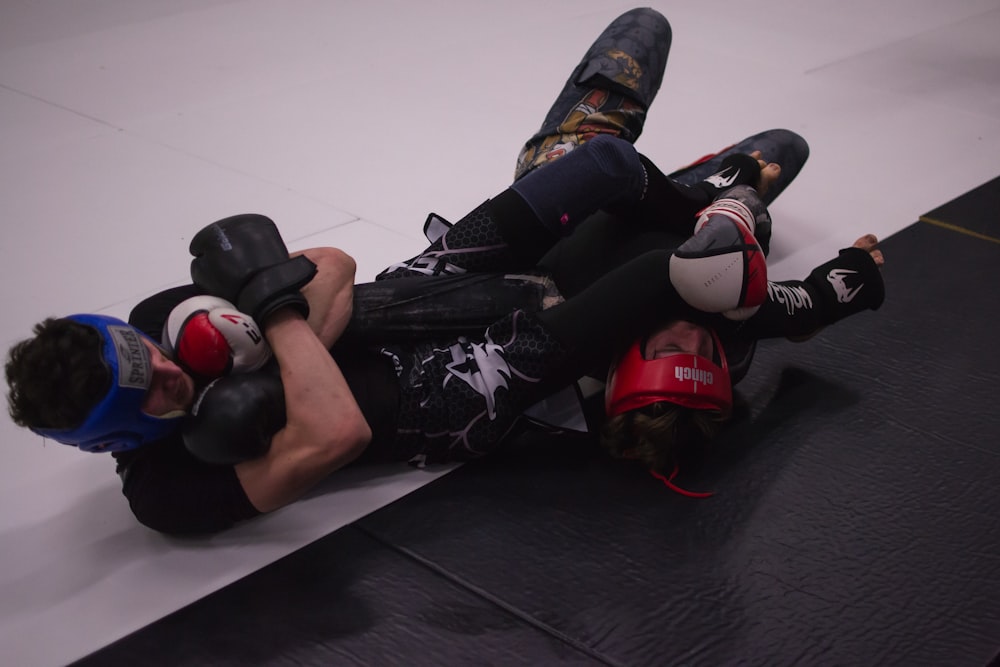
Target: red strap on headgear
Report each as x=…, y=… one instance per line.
x=669, y=483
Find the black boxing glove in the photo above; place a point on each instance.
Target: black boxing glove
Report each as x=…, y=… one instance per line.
x=244, y=260
x=234, y=418
x=848, y=284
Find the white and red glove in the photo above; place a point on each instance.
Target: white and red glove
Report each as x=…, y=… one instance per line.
x=209, y=338
x=722, y=268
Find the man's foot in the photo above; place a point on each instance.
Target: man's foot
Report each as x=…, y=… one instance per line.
x=784, y=148
x=769, y=173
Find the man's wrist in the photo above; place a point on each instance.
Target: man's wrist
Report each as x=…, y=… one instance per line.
x=284, y=318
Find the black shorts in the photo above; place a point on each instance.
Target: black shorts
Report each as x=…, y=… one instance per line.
x=459, y=399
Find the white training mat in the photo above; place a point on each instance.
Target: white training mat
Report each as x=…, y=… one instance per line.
x=127, y=125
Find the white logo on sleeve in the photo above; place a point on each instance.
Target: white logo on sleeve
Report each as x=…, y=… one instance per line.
x=720, y=180
x=844, y=293
x=793, y=297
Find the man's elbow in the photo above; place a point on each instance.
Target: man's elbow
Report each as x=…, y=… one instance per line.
x=343, y=442
x=334, y=262
x=297, y=461
x=355, y=438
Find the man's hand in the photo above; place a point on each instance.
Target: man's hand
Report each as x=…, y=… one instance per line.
x=869, y=242
x=243, y=260
x=330, y=292
x=769, y=172
x=209, y=338
x=721, y=268
x=234, y=418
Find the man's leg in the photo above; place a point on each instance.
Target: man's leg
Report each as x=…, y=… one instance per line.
x=460, y=398
x=609, y=92
x=512, y=231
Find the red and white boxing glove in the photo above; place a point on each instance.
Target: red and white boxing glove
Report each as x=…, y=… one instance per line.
x=208, y=337
x=733, y=209
x=722, y=269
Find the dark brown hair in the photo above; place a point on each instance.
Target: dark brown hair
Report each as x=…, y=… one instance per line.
x=662, y=434
x=56, y=377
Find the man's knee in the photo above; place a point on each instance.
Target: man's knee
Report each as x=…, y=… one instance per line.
x=615, y=157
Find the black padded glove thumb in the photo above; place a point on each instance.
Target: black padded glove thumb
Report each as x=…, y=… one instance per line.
x=234, y=418
x=243, y=259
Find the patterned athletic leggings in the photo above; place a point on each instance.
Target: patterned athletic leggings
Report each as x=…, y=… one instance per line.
x=609, y=92
x=460, y=398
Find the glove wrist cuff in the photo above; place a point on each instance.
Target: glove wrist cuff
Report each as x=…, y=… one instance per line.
x=275, y=287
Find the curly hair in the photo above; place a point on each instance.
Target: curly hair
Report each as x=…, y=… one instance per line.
x=662, y=434
x=58, y=376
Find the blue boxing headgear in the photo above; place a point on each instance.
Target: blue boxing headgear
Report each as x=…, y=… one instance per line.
x=117, y=423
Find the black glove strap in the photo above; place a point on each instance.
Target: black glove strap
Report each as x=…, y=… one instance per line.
x=276, y=287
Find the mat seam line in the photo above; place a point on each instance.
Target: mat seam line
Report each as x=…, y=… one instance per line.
x=476, y=590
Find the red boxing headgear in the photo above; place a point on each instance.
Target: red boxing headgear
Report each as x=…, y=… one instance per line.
x=689, y=380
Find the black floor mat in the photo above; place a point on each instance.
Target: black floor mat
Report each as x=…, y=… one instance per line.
x=854, y=521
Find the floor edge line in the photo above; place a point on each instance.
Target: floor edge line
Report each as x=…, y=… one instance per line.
x=956, y=228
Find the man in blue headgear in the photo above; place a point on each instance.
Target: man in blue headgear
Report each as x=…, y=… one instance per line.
x=119, y=419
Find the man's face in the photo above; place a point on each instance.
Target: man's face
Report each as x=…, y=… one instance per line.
x=678, y=337
x=171, y=391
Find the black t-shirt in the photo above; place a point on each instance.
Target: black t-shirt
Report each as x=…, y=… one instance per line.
x=171, y=491
x=168, y=489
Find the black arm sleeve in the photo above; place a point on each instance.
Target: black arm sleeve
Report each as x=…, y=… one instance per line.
x=847, y=284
